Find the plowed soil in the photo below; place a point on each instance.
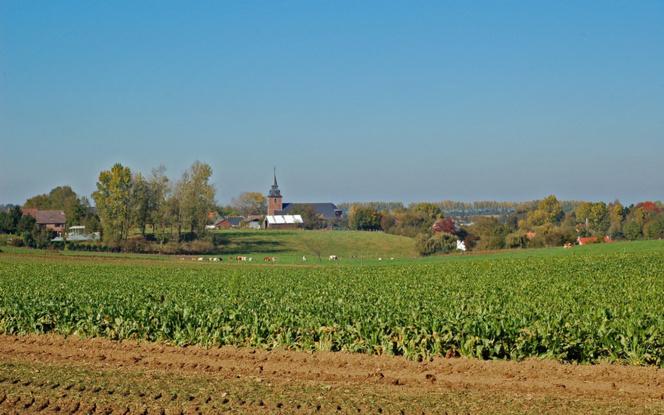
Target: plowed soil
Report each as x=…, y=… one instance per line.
x=52, y=374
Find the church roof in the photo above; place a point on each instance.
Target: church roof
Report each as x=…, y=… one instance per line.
x=328, y=210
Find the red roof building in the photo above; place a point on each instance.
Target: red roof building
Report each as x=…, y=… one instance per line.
x=51, y=219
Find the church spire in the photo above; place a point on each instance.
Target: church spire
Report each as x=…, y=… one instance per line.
x=274, y=191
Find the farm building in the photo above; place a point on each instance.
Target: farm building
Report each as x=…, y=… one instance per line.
x=50, y=219
x=282, y=221
x=229, y=222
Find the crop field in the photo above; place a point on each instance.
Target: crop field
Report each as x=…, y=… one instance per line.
x=581, y=308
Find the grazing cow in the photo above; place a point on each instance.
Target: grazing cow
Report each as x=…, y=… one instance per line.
x=304, y=258
x=251, y=259
x=240, y=258
x=267, y=259
x=200, y=259
x=333, y=257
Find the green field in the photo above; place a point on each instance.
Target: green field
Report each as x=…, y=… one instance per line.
x=597, y=303
x=353, y=249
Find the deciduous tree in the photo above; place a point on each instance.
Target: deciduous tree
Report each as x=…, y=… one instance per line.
x=549, y=210
x=249, y=203
x=113, y=201
x=364, y=218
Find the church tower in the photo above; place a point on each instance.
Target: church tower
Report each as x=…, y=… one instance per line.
x=274, y=197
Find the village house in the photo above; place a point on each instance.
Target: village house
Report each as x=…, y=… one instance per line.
x=50, y=219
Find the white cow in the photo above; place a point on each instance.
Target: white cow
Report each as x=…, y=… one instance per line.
x=333, y=257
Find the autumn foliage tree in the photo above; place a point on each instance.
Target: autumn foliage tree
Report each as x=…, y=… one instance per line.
x=113, y=201
x=364, y=218
x=249, y=203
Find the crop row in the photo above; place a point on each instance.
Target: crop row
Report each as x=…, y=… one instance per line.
x=583, y=309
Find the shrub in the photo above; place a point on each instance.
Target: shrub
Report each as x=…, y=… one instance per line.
x=442, y=242
x=16, y=242
x=518, y=239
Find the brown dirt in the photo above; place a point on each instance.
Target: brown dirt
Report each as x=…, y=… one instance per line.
x=51, y=374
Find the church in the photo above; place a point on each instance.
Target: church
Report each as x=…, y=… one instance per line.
x=276, y=207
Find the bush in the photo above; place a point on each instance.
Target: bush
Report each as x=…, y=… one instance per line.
x=537, y=242
x=27, y=239
x=198, y=247
x=518, y=239
x=442, y=242
x=16, y=242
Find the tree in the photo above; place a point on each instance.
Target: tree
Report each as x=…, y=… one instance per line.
x=5, y=222
x=364, y=218
x=41, y=237
x=310, y=217
x=445, y=225
x=617, y=213
x=140, y=198
x=655, y=228
x=61, y=197
x=431, y=210
x=632, y=230
x=159, y=188
x=193, y=198
x=549, y=210
x=249, y=203
x=443, y=242
x=490, y=232
x=40, y=202
x=113, y=201
x=58, y=199
x=26, y=224
x=76, y=211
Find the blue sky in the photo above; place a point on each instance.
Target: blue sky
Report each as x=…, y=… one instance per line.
x=351, y=101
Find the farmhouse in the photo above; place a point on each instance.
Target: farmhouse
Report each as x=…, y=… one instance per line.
x=276, y=207
x=229, y=222
x=50, y=219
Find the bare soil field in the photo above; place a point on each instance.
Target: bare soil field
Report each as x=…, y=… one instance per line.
x=52, y=374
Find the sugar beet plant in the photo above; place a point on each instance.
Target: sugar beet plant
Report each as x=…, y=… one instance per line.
x=583, y=309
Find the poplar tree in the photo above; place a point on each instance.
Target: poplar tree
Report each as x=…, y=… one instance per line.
x=113, y=201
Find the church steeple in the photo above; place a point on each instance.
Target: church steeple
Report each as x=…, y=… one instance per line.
x=274, y=197
x=274, y=191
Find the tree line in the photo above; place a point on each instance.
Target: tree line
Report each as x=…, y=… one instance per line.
x=548, y=222
x=170, y=207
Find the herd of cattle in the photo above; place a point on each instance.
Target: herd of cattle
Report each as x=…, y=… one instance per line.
x=249, y=259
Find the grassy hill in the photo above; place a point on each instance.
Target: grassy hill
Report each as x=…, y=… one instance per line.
x=344, y=244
